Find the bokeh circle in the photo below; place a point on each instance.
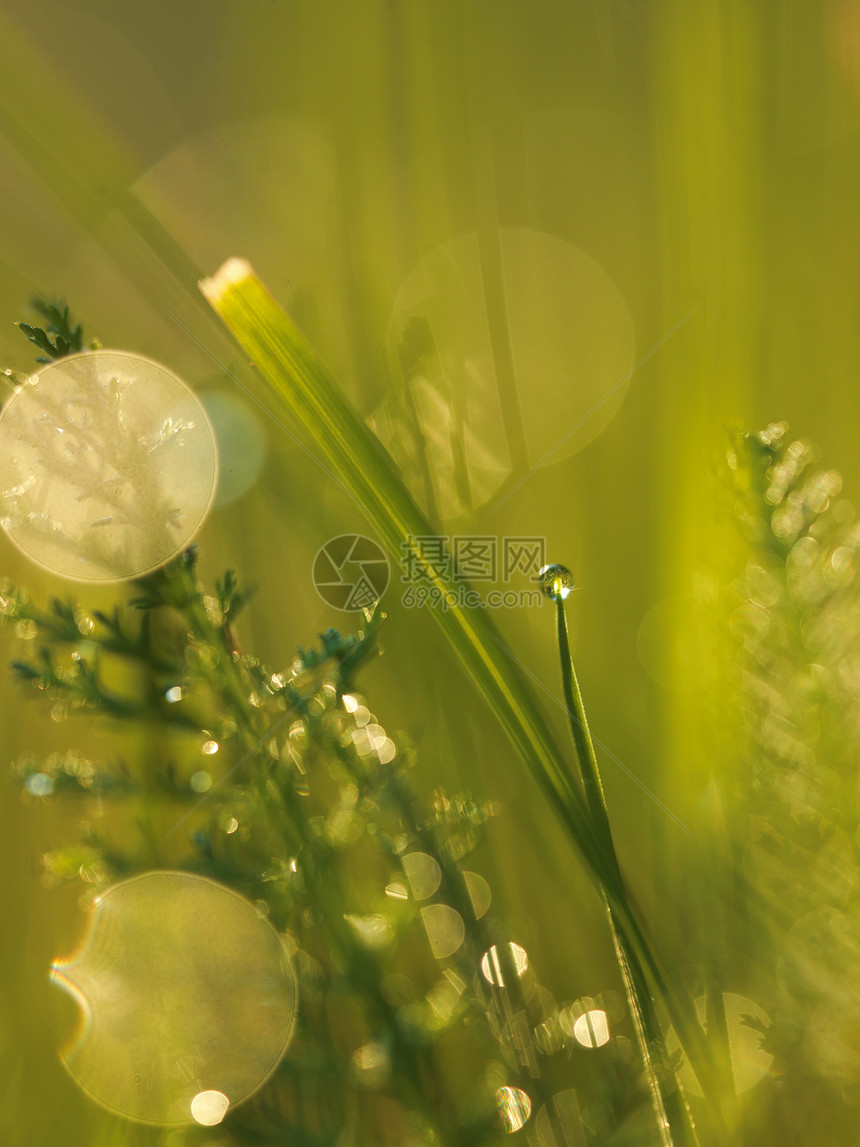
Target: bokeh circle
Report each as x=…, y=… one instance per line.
x=108, y=466
x=186, y=994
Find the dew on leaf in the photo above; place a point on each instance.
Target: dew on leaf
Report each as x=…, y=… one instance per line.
x=556, y=581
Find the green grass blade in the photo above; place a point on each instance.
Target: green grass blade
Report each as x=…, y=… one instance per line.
x=670, y=1109
x=300, y=390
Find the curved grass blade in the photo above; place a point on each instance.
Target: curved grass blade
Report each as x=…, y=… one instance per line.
x=300, y=390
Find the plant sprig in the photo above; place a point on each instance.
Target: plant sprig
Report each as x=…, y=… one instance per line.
x=68, y=339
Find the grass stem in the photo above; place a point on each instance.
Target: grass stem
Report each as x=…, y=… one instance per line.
x=300, y=390
x=672, y=1116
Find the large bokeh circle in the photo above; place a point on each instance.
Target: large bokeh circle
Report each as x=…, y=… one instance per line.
x=186, y=994
x=108, y=466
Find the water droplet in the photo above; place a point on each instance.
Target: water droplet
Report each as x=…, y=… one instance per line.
x=173, y=694
x=210, y=748
x=183, y=983
x=515, y=1107
x=201, y=781
x=556, y=581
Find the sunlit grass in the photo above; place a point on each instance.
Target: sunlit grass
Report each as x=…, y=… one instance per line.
x=706, y=160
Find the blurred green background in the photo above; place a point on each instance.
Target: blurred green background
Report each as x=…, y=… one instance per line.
x=578, y=188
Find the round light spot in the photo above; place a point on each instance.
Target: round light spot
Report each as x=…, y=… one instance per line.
x=484, y=316
x=39, y=785
x=241, y=444
x=423, y=873
x=371, y=1065
x=374, y=931
x=493, y=964
x=208, y=1108
x=515, y=1107
x=108, y=466
x=592, y=1029
x=479, y=893
x=445, y=929
x=184, y=987
x=749, y=1060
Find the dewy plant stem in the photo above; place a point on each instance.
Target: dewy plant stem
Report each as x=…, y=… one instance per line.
x=300, y=390
x=670, y=1110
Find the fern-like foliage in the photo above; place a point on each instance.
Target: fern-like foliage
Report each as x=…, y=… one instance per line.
x=796, y=625
x=67, y=339
x=418, y=1023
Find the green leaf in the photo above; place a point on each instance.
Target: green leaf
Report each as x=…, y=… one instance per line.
x=67, y=339
x=37, y=336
